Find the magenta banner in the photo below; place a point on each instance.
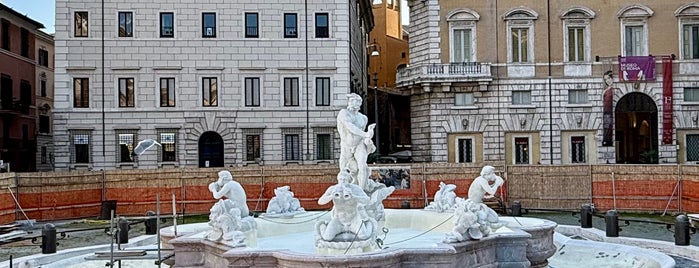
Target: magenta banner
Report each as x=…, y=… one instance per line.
x=637, y=68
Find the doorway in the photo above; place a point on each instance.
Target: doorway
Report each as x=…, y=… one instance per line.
x=636, y=127
x=210, y=150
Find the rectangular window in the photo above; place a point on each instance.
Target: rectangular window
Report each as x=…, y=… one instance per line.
x=291, y=92
x=44, y=124
x=167, y=92
x=252, y=91
x=25, y=95
x=322, y=25
x=167, y=24
x=290, y=30
x=577, y=150
x=522, y=151
x=127, y=142
x=5, y=34
x=125, y=24
x=81, y=24
x=576, y=44
x=208, y=21
x=692, y=147
x=465, y=150
x=168, y=141
x=43, y=57
x=44, y=158
x=462, y=45
x=634, y=40
x=292, y=147
x=42, y=84
x=253, y=147
x=521, y=97
x=251, y=25
x=577, y=96
x=81, y=93
x=324, y=149
x=6, y=94
x=24, y=39
x=690, y=41
x=463, y=99
x=520, y=48
x=691, y=94
x=126, y=92
x=209, y=92
x=323, y=91
x=81, y=140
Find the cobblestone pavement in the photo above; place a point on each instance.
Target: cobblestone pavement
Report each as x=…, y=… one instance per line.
x=98, y=236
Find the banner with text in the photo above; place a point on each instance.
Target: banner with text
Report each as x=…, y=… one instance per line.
x=637, y=68
x=667, y=100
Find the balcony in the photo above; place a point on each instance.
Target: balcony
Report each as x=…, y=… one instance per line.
x=477, y=72
x=14, y=107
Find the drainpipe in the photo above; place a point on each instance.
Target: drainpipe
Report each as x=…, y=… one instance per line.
x=308, y=93
x=548, y=36
x=104, y=140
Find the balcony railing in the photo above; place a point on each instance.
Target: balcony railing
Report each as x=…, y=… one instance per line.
x=15, y=106
x=445, y=72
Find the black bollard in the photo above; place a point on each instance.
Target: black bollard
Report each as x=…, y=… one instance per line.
x=586, y=216
x=682, y=230
x=48, y=239
x=151, y=224
x=405, y=204
x=516, y=209
x=612, y=221
x=123, y=231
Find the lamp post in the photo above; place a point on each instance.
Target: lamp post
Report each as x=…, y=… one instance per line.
x=376, y=113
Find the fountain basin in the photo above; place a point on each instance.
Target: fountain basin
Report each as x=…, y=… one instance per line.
x=414, y=239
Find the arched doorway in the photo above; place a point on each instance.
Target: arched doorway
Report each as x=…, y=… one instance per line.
x=636, y=129
x=210, y=149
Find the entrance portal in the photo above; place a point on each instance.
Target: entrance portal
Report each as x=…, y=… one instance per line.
x=210, y=150
x=636, y=127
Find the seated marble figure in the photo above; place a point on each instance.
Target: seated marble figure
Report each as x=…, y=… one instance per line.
x=229, y=216
x=348, y=220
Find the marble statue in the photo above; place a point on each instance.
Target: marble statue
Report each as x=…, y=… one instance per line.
x=444, y=199
x=283, y=204
x=349, y=221
x=358, y=212
x=355, y=143
x=229, y=216
x=474, y=219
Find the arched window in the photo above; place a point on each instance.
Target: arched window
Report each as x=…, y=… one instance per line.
x=688, y=19
x=576, y=32
x=462, y=35
x=634, y=29
x=520, y=37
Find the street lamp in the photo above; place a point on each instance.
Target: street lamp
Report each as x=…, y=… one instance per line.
x=376, y=112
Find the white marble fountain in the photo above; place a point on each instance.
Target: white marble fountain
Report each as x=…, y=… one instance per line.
x=358, y=231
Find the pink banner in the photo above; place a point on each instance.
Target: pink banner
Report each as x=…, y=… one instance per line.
x=637, y=68
x=667, y=100
x=608, y=117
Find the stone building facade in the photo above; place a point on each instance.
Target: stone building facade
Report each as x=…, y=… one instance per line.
x=44, y=101
x=216, y=83
x=522, y=82
x=17, y=85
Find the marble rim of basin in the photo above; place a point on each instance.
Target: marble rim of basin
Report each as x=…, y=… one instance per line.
x=540, y=245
